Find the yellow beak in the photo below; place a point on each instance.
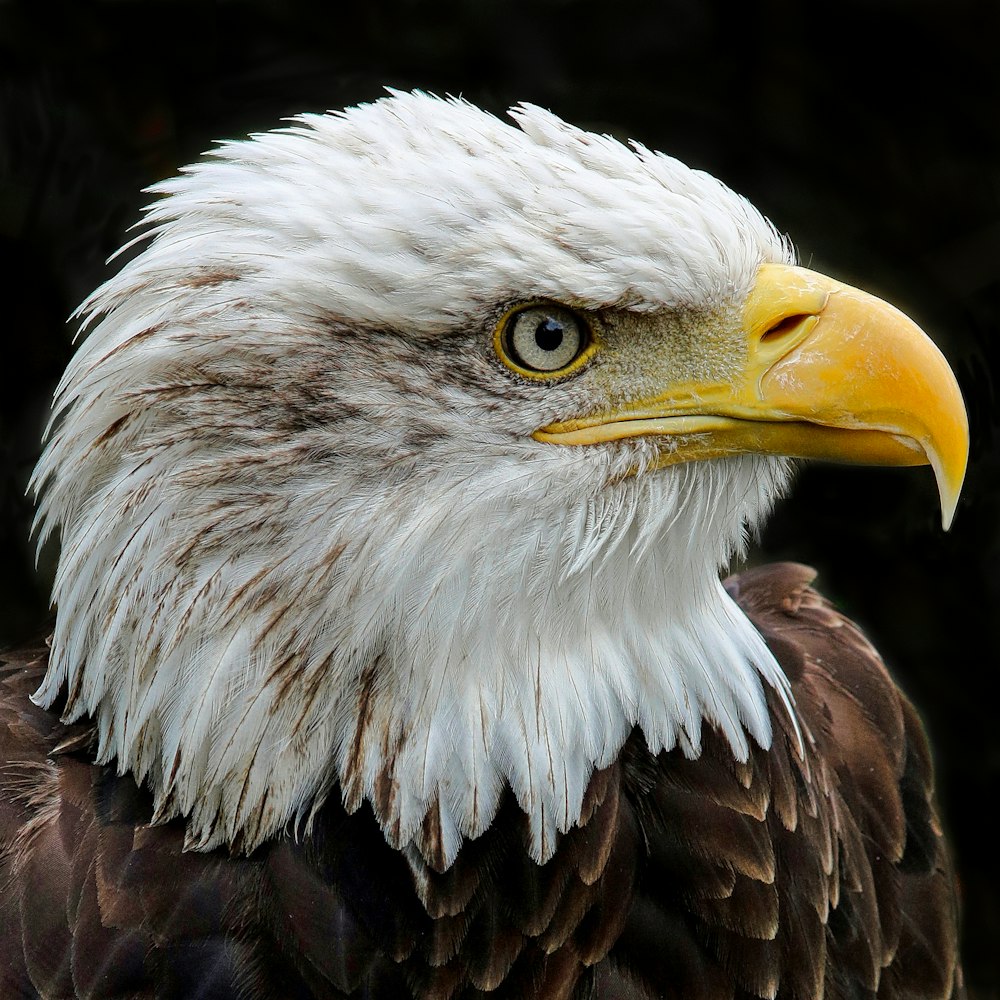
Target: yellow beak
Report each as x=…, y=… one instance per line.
x=831, y=372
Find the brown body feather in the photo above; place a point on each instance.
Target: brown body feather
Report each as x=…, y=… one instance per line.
x=821, y=874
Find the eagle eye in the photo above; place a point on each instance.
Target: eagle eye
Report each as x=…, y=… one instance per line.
x=542, y=339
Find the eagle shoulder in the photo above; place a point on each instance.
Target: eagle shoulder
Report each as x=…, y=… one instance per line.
x=892, y=915
x=817, y=868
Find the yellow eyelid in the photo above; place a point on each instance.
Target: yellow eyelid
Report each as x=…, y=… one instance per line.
x=587, y=325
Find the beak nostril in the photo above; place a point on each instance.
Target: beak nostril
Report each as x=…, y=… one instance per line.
x=783, y=327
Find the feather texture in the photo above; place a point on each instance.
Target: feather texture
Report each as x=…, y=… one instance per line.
x=813, y=869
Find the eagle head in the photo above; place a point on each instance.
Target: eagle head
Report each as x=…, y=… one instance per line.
x=402, y=461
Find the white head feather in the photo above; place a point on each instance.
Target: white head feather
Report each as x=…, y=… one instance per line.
x=307, y=539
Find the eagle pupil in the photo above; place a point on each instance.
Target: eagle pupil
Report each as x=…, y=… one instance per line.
x=549, y=334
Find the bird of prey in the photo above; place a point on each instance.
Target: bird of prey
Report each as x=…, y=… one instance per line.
x=393, y=479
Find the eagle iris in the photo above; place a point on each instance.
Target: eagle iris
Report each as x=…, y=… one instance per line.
x=544, y=338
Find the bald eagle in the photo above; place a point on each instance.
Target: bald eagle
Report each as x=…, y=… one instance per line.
x=393, y=480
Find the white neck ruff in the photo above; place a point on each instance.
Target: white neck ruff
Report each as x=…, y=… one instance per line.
x=423, y=654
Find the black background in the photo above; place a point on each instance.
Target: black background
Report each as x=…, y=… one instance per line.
x=869, y=131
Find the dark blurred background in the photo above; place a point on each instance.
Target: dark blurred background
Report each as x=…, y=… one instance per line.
x=869, y=131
